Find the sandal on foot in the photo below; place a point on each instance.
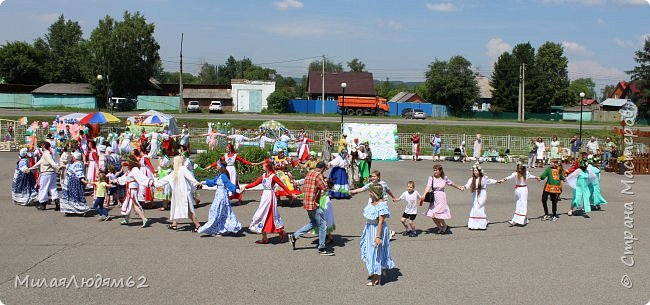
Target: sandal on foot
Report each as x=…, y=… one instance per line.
x=172, y=227
x=262, y=241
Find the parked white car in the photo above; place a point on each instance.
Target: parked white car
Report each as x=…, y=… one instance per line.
x=193, y=106
x=215, y=106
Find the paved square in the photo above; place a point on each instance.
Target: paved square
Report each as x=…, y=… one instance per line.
x=575, y=260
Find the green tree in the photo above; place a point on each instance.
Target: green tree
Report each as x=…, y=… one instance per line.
x=356, y=66
x=279, y=100
x=317, y=65
x=549, y=79
x=640, y=76
x=585, y=85
x=62, y=48
x=255, y=72
x=524, y=55
x=208, y=74
x=505, y=83
x=21, y=63
x=607, y=91
x=124, y=50
x=452, y=83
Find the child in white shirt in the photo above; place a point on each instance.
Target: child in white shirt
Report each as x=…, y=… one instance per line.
x=411, y=197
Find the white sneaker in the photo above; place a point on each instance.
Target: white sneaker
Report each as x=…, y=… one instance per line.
x=392, y=235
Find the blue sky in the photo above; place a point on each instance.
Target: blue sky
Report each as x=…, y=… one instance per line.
x=394, y=39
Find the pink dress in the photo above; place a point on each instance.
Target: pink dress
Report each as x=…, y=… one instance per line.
x=438, y=208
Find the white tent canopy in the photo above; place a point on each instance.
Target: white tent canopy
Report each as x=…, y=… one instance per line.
x=168, y=119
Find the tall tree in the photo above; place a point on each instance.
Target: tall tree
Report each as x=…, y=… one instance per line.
x=62, y=46
x=124, y=50
x=208, y=74
x=640, y=76
x=453, y=83
x=550, y=79
x=524, y=55
x=607, y=91
x=317, y=65
x=585, y=85
x=356, y=66
x=21, y=63
x=504, y=82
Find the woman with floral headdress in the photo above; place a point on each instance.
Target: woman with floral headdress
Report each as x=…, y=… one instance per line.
x=23, y=186
x=477, y=184
x=221, y=218
x=521, y=194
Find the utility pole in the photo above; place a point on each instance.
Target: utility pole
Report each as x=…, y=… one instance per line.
x=180, y=80
x=523, y=92
x=322, y=76
x=519, y=97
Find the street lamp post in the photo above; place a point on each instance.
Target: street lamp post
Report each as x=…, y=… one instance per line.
x=343, y=85
x=582, y=95
x=99, y=78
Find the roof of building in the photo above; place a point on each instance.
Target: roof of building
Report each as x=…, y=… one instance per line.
x=589, y=101
x=358, y=83
x=57, y=88
x=207, y=93
x=406, y=97
x=614, y=102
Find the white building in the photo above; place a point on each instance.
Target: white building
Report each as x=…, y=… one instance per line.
x=250, y=96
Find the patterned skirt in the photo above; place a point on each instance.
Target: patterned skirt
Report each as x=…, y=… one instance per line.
x=72, y=197
x=23, y=189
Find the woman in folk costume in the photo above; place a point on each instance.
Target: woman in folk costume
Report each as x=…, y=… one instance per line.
x=182, y=183
x=92, y=164
x=230, y=158
x=221, y=218
x=555, y=148
x=597, y=198
x=132, y=178
x=267, y=217
x=83, y=142
x=328, y=147
x=364, y=170
x=280, y=164
x=23, y=186
x=303, y=153
x=73, y=200
x=153, y=144
x=477, y=184
x=375, y=238
x=113, y=139
x=145, y=192
x=521, y=194
x=143, y=139
x=47, y=175
x=125, y=142
x=101, y=163
x=579, y=180
x=541, y=150
x=164, y=193
x=339, y=176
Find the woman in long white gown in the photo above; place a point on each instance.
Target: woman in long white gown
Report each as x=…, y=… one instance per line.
x=521, y=194
x=125, y=142
x=477, y=184
x=181, y=181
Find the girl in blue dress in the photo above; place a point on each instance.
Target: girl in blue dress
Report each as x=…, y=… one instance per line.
x=23, y=187
x=221, y=219
x=73, y=200
x=375, y=239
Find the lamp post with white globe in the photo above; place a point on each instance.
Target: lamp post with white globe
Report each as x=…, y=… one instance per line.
x=582, y=95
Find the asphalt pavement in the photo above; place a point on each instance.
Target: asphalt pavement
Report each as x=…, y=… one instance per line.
x=575, y=260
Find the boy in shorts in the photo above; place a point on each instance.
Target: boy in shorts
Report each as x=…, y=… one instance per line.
x=411, y=197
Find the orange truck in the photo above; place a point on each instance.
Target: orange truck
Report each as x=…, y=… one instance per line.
x=360, y=105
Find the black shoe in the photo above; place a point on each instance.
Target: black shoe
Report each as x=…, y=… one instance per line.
x=292, y=240
x=413, y=234
x=325, y=252
x=406, y=233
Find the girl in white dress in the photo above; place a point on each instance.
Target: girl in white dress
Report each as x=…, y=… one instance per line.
x=125, y=142
x=541, y=150
x=182, y=183
x=521, y=195
x=477, y=184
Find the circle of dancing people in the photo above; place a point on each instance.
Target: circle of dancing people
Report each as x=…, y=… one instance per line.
x=115, y=173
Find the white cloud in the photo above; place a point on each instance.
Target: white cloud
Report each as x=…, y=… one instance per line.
x=394, y=25
x=624, y=44
x=592, y=69
x=46, y=18
x=599, y=2
x=575, y=48
x=287, y=4
x=496, y=47
x=442, y=7
x=1, y=1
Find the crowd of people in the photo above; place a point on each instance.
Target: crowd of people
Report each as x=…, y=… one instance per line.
x=117, y=170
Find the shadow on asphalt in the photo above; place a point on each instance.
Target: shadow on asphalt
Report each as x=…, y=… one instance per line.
x=390, y=275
